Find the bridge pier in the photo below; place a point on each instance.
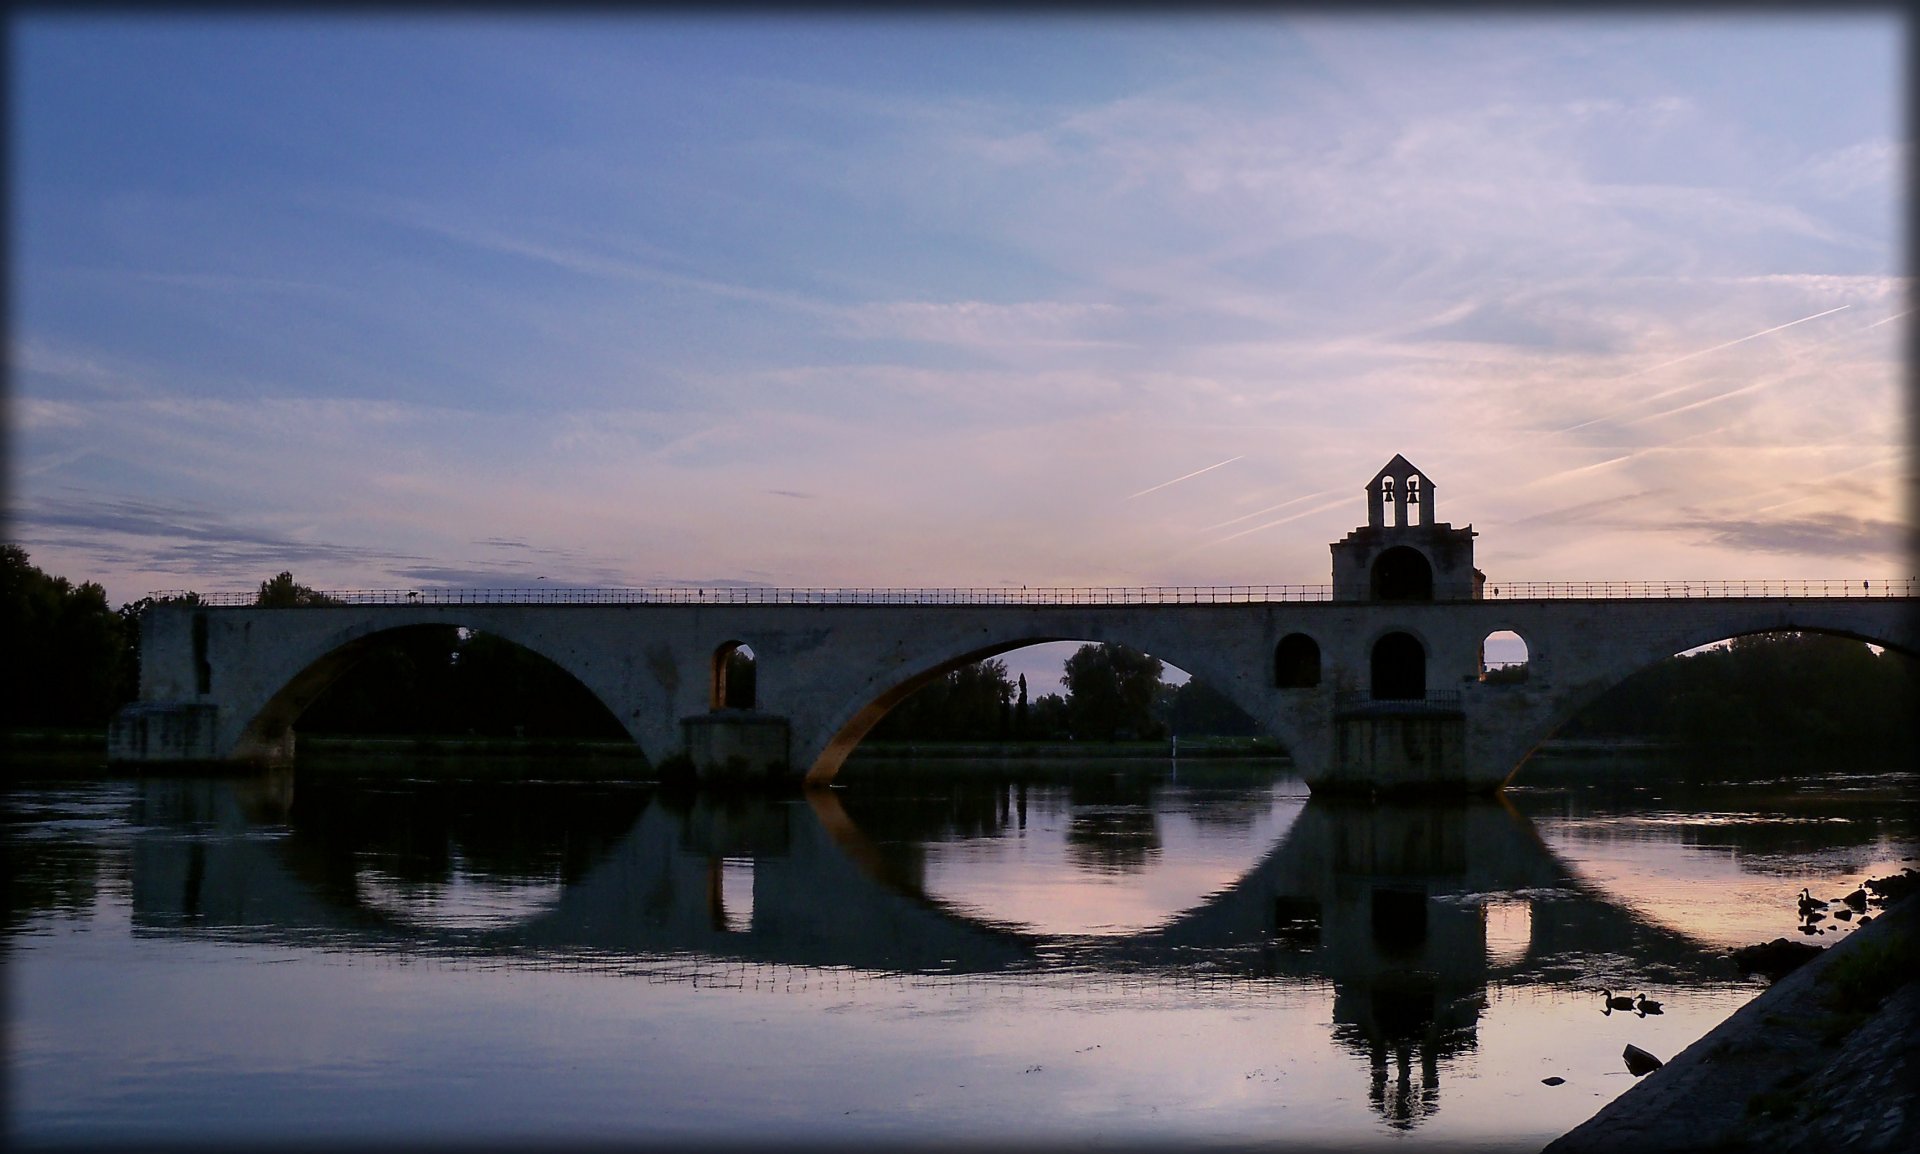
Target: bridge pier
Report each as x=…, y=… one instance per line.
x=1402, y=751
x=736, y=746
x=163, y=732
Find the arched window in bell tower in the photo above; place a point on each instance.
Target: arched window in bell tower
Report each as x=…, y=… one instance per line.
x=1412, y=491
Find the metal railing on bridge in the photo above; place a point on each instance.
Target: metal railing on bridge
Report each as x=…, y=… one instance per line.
x=1055, y=594
x=1623, y=590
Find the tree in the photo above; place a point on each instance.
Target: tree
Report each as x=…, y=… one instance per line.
x=65, y=653
x=970, y=703
x=1197, y=709
x=1112, y=691
x=1766, y=690
x=283, y=592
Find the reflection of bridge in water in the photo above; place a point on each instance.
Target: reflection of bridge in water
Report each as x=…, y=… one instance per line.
x=1386, y=903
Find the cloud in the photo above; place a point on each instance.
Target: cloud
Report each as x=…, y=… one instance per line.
x=1863, y=166
x=1823, y=535
x=177, y=538
x=982, y=324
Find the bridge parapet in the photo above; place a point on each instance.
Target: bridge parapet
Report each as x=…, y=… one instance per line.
x=1063, y=595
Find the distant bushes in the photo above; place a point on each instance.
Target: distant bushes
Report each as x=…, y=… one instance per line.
x=1769, y=689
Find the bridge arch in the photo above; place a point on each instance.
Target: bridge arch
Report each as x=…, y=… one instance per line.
x=302, y=673
x=1728, y=621
x=878, y=694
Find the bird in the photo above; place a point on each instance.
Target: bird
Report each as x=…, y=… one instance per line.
x=1645, y=1007
x=1809, y=902
x=1620, y=1003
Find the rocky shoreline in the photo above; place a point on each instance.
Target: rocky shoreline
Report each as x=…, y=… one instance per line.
x=1825, y=1059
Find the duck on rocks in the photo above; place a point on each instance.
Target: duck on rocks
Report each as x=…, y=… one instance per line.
x=1808, y=902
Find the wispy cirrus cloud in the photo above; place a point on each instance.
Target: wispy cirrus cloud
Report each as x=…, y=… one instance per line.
x=1826, y=535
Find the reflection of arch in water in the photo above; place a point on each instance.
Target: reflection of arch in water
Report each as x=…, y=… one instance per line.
x=879, y=693
x=824, y=894
x=306, y=675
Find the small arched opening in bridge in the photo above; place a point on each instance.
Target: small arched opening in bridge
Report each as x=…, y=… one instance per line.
x=1766, y=692
x=735, y=677
x=1296, y=662
x=1399, y=668
x=438, y=680
x=1503, y=658
x=1402, y=573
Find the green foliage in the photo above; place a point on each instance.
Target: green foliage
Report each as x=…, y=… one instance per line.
x=1112, y=691
x=1770, y=690
x=971, y=703
x=1197, y=709
x=66, y=652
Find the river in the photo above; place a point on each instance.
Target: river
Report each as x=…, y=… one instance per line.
x=1079, y=953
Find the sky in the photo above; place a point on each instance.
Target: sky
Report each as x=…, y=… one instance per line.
x=859, y=300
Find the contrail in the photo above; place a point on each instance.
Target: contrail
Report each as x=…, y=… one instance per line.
x=1282, y=521
x=1730, y=344
x=1177, y=480
x=1702, y=353
x=1268, y=509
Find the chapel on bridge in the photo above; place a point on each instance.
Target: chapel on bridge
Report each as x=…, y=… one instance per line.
x=1402, y=553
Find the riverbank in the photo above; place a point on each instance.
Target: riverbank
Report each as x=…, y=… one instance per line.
x=1826, y=1059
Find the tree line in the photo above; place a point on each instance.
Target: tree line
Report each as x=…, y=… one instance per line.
x=1807, y=690
x=73, y=660
x=1113, y=693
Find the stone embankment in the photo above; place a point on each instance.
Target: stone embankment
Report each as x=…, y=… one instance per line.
x=1823, y=1060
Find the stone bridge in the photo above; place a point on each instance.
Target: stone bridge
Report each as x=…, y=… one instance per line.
x=1376, y=683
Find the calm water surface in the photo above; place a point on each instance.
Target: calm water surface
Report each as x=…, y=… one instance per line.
x=1085, y=954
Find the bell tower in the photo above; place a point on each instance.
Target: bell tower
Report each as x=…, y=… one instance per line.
x=1402, y=553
